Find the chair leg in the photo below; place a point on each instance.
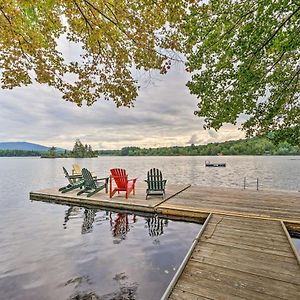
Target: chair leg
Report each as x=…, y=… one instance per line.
x=95, y=191
x=64, y=187
x=110, y=187
x=112, y=193
x=82, y=191
x=68, y=189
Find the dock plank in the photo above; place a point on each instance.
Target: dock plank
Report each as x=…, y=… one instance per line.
x=244, y=280
x=263, y=204
x=265, y=269
x=184, y=295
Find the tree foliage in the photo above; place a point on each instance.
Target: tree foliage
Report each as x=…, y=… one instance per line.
x=19, y=153
x=245, y=59
x=253, y=146
x=116, y=36
x=51, y=151
x=244, y=55
x=80, y=150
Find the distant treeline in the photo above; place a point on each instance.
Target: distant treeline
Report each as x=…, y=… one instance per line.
x=79, y=150
x=11, y=153
x=253, y=146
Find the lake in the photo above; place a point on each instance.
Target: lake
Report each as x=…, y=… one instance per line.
x=50, y=251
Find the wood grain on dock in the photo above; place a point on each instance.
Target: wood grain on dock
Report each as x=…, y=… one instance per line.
x=279, y=205
x=135, y=202
x=240, y=258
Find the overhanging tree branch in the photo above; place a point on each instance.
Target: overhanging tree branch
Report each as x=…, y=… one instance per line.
x=276, y=31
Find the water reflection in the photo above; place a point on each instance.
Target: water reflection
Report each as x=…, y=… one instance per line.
x=90, y=254
x=77, y=281
x=125, y=290
x=88, y=220
x=72, y=211
x=120, y=223
x=156, y=225
x=296, y=242
x=120, y=226
x=38, y=254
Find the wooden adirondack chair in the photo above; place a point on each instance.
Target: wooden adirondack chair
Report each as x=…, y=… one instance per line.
x=75, y=181
x=92, y=185
x=76, y=169
x=124, y=184
x=156, y=183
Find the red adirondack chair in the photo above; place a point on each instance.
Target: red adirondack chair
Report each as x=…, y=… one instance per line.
x=123, y=184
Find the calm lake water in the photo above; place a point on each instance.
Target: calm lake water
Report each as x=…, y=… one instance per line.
x=50, y=251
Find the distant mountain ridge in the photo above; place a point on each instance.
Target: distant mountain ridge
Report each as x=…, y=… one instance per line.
x=24, y=146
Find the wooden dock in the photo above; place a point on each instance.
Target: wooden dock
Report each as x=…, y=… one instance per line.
x=240, y=258
x=244, y=251
x=276, y=205
x=135, y=202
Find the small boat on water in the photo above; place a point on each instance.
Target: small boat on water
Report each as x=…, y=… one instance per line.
x=209, y=164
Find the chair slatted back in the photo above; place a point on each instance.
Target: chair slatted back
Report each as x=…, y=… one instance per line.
x=67, y=175
x=120, y=177
x=89, y=182
x=155, y=180
x=76, y=169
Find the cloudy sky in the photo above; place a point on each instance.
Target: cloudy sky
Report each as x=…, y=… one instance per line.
x=162, y=116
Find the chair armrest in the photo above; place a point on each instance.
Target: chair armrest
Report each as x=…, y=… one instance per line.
x=132, y=179
x=75, y=176
x=164, y=181
x=104, y=178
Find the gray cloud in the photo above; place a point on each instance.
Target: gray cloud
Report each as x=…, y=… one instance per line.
x=162, y=116
x=194, y=139
x=212, y=133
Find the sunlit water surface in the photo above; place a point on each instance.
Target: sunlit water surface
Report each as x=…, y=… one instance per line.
x=50, y=251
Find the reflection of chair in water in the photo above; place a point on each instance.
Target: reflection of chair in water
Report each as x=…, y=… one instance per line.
x=156, y=225
x=88, y=220
x=120, y=226
x=72, y=211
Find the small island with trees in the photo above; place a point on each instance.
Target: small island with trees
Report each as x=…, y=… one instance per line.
x=79, y=151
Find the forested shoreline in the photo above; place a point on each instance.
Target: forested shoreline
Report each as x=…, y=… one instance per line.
x=253, y=146
x=19, y=153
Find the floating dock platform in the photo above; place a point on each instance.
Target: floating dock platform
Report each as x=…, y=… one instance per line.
x=244, y=250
